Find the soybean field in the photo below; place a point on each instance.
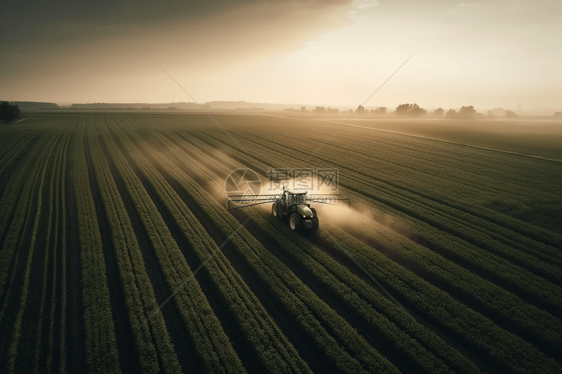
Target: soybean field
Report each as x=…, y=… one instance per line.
x=117, y=253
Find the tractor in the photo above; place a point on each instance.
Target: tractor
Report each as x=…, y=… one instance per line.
x=291, y=204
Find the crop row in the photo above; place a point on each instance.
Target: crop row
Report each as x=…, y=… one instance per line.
x=210, y=340
x=15, y=151
x=272, y=348
x=299, y=302
x=6, y=141
x=460, y=175
x=445, y=189
x=478, y=161
x=497, y=344
x=54, y=211
x=147, y=323
x=35, y=222
x=16, y=186
x=510, y=245
x=102, y=355
x=451, y=277
x=492, y=266
x=62, y=221
x=17, y=206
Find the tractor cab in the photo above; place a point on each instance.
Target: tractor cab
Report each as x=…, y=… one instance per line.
x=297, y=197
x=293, y=204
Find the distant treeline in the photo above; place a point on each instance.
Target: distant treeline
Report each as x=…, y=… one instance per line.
x=34, y=105
x=8, y=112
x=415, y=111
x=402, y=110
x=96, y=106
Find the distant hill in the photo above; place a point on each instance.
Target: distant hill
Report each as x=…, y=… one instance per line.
x=34, y=105
x=249, y=106
x=97, y=106
x=229, y=105
x=233, y=105
x=218, y=105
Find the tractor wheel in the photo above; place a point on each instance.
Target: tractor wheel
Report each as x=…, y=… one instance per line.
x=280, y=213
x=315, y=224
x=274, y=209
x=295, y=222
x=315, y=221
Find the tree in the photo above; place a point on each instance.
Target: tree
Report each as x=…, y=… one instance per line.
x=451, y=113
x=8, y=112
x=319, y=109
x=510, y=114
x=558, y=114
x=361, y=109
x=412, y=110
x=380, y=111
x=402, y=109
x=416, y=111
x=466, y=112
x=438, y=112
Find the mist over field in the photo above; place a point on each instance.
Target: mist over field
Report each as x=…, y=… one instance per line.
x=319, y=186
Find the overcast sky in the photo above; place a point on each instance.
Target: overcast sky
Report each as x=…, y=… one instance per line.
x=488, y=54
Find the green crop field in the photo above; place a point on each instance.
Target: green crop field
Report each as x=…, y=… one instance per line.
x=118, y=255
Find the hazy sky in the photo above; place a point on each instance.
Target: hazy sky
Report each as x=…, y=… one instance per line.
x=319, y=52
